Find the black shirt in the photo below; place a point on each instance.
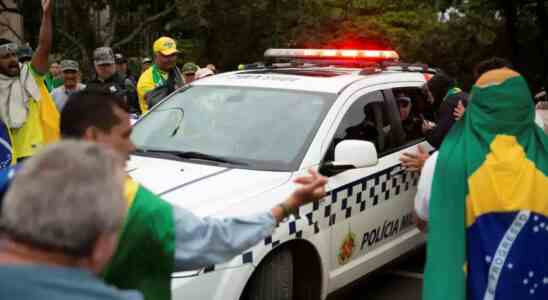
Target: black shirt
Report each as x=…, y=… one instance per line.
x=446, y=119
x=119, y=86
x=412, y=128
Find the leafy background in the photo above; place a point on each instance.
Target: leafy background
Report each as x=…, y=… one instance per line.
x=452, y=35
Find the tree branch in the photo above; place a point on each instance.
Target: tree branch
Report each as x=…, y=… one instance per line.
x=13, y=31
x=5, y=8
x=77, y=43
x=145, y=23
x=111, y=30
x=80, y=13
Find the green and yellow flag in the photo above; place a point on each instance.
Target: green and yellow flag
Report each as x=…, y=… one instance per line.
x=138, y=263
x=49, y=116
x=488, y=229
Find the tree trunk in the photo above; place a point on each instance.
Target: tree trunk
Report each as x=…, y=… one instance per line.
x=509, y=8
x=146, y=22
x=110, y=30
x=11, y=24
x=85, y=63
x=82, y=30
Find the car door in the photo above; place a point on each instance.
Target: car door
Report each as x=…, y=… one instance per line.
x=370, y=209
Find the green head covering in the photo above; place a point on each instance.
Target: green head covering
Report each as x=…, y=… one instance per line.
x=491, y=167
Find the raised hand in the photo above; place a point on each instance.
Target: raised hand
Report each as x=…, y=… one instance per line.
x=46, y=6
x=312, y=189
x=459, y=111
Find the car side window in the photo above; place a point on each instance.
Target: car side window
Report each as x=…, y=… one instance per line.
x=367, y=119
x=413, y=108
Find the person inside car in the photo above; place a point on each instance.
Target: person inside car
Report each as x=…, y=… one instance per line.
x=366, y=130
x=410, y=123
x=443, y=92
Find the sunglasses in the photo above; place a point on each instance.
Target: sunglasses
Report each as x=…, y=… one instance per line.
x=190, y=74
x=10, y=48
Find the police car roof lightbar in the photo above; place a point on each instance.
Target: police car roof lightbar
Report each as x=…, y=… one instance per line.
x=367, y=55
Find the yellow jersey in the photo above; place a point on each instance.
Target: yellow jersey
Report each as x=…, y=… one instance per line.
x=41, y=126
x=146, y=84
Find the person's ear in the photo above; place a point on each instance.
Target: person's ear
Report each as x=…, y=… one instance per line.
x=91, y=134
x=103, y=250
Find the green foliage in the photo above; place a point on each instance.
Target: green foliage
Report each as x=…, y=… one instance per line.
x=451, y=34
x=412, y=28
x=235, y=32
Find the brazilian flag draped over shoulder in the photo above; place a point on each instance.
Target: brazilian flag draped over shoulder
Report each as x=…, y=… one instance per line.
x=488, y=227
x=145, y=256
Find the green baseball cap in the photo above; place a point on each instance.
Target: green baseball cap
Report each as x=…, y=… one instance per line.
x=69, y=65
x=190, y=68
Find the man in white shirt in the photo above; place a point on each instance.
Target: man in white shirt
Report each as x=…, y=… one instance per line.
x=71, y=77
x=422, y=198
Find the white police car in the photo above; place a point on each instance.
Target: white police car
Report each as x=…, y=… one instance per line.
x=253, y=131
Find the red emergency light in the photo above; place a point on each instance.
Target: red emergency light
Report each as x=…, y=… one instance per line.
x=336, y=54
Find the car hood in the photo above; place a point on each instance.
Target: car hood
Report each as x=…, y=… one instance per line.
x=204, y=189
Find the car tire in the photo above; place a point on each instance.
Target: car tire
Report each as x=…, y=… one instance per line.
x=273, y=279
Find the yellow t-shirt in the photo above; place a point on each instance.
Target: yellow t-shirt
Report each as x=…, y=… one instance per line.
x=29, y=138
x=145, y=85
x=41, y=126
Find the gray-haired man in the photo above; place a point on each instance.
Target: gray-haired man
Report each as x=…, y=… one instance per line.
x=61, y=215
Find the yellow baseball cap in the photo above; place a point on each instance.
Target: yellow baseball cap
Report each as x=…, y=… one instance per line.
x=166, y=46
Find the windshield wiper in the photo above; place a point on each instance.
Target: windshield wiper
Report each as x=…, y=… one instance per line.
x=194, y=155
x=178, y=124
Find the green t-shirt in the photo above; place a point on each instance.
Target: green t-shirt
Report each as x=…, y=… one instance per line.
x=52, y=82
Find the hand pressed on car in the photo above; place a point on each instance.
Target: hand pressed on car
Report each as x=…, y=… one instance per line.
x=414, y=162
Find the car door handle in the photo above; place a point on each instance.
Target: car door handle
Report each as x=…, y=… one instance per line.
x=397, y=172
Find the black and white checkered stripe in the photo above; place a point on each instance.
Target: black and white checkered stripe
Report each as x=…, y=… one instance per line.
x=338, y=205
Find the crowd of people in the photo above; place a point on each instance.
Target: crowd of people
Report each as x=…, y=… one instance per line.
x=158, y=78
x=36, y=93
x=73, y=225
x=62, y=221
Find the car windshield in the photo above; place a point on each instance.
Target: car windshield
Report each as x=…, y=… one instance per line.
x=264, y=129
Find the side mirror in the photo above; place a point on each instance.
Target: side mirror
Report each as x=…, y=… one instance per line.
x=351, y=154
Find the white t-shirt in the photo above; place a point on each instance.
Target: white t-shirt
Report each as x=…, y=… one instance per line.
x=422, y=199
x=541, y=116
x=538, y=119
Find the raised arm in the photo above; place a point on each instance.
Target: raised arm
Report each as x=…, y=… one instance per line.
x=40, y=58
x=208, y=241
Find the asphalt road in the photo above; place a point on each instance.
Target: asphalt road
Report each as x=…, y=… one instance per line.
x=400, y=280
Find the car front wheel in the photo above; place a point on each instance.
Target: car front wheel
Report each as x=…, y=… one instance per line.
x=273, y=279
